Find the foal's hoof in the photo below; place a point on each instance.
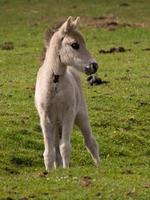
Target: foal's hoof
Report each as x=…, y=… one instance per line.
x=43, y=174
x=97, y=162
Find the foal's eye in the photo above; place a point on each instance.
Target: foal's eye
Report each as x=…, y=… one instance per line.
x=75, y=45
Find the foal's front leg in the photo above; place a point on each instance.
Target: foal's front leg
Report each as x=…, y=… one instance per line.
x=65, y=145
x=58, y=158
x=49, y=153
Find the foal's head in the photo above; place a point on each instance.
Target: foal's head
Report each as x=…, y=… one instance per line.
x=72, y=48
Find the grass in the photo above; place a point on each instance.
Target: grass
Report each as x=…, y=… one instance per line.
x=119, y=111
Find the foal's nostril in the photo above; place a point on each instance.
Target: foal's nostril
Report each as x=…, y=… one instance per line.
x=94, y=66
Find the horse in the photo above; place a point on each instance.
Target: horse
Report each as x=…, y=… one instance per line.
x=59, y=98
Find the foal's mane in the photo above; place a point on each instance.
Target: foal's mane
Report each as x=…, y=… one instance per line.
x=48, y=35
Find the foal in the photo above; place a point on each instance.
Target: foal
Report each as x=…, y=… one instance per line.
x=59, y=98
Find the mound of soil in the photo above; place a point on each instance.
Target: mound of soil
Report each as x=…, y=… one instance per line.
x=109, y=22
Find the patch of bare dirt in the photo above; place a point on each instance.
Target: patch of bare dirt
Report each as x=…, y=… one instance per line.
x=109, y=22
x=147, y=186
x=85, y=181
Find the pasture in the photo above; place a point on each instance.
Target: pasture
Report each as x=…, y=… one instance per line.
x=119, y=109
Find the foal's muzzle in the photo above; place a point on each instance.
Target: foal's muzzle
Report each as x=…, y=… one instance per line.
x=91, y=69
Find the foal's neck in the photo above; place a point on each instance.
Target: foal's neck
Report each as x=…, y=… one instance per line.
x=53, y=62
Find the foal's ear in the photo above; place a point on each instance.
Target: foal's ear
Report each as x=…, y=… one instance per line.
x=75, y=22
x=67, y=26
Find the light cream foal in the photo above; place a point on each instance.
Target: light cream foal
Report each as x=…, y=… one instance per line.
x=59, y=98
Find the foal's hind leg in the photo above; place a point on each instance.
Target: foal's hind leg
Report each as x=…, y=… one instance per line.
x=83, y=123
x=49, y=153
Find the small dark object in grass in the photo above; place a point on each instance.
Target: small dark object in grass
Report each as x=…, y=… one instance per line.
x=102, y=51
x=124, y=4
x=136, y=42
x=146, y=49
x=21, y=161
x=11, y=171
x=94, y=80
x=74, y=6
x=112, y=23
x=98, y=194
x=114, y=50
x=7, y=46
x=121, y=49
x=143, y=103
x=45, y=193
x=9, y=198
x=24, y=45
x=32, y=196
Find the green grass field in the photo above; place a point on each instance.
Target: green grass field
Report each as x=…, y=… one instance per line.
x=119, y=110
